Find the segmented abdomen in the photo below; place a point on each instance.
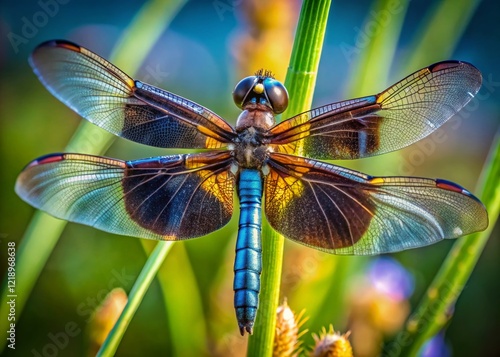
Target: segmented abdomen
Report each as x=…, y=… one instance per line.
x=248, y=261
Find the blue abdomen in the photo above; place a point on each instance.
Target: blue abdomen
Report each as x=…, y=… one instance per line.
x=248, y=261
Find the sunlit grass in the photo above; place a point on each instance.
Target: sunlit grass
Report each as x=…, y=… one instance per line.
x=135, y=297
x=370, y=76
x=435, y=40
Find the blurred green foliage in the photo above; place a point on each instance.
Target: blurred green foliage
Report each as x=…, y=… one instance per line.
x=193, y=58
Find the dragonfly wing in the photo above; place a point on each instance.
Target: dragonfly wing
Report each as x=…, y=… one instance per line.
x=168, y=198
x=404, y=113
x=345, y=212
x=107, y=97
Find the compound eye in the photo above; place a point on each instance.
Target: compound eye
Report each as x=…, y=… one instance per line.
x=277, y=95
x=240, y=92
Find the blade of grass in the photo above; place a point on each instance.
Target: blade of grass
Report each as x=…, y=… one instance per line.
x=183, y=304
x=135, y=297
x=43, y=232
x=300, y=81
x=432, y=313
x=371, y=71
x=439, y=33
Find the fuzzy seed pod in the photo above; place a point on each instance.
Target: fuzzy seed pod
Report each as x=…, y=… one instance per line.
x=331, y=344
x=286, y=339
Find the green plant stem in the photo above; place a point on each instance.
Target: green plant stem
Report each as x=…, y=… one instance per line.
x=306, y=53
x=183, y=305
x=43, y=232
x=432, y=313
x=300, y=82
x=135, y=297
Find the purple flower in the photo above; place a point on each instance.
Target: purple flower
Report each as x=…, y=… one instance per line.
x=391, y=278
x=435, y=347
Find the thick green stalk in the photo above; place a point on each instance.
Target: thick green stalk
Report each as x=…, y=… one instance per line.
x=432, y=313
x=44, y=231
x=300, y=82
x=135, y=297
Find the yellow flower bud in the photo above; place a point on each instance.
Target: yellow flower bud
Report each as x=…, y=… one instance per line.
x=286, y=339
x=331, y=344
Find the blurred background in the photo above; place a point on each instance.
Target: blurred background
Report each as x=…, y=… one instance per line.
x=206, y=49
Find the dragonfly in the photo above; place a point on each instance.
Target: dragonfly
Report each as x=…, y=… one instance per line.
x=318, y=204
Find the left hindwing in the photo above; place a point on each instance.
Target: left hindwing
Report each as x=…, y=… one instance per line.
x=167, y=198
x=345, y=212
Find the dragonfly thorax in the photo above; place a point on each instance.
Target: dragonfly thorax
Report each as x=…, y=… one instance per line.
x=255, y=115
x=250, y=148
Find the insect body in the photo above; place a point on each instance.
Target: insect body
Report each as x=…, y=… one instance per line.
x=321, y=205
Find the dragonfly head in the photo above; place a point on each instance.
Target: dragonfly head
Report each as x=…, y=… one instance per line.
x=262, y=89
